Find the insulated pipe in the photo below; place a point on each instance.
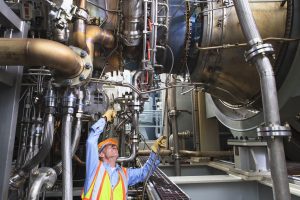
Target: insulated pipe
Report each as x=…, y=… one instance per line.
x=37, y=52
x=79, y=32
x=45, y=177
x=270, y=102
x=96, y=34
x=173, y=119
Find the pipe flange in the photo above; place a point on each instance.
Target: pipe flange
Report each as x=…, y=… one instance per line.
x=81, y=13
x=258, y=49
x=274, y=130
x=83, y=77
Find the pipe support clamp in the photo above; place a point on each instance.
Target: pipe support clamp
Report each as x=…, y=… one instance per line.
x=274, y=130
x=258, y=49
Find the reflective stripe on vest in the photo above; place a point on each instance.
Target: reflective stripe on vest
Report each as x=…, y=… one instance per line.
x=87, y=196
x=101, y=187
x=98, y=182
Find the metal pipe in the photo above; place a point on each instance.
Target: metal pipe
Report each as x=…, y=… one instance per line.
x=173, y=119
x=154, y=7
x=96, y=34
x=37, y=52
x=195, y=119
x=18, y=179
x=66, y=157
x=68, y=110
x=77, y=131
x=131, y=157
x=42, y=177
x=135, y=121
x=187, y=153
x=227, y=46
x=132, y=12
x=270, y=102
x=145, y=31
x=134, y=141
x=79, y=32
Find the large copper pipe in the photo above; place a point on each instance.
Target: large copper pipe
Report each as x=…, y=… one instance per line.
x=37, y=52
x=79, y=32
x=96, y=34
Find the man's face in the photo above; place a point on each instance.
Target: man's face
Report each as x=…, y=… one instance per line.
x=110, y=151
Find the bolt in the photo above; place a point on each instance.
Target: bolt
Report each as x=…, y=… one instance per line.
x=83, y=54
x=49, y=173
x=35, y=173
x=88, y=65
x=48, y=187
x=68, y=81
x=286, y=125
x=81, y=77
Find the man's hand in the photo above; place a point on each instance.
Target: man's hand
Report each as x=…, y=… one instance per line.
x=110, y=114
x=161, y=142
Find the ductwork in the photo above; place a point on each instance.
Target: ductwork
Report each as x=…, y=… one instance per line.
x=40, y=52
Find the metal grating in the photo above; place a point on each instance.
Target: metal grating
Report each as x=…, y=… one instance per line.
x=166, y=189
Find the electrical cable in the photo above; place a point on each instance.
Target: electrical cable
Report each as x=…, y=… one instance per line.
x=172, y=63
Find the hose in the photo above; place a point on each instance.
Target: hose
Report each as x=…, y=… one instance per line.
x=18, y=179
x=75, y=142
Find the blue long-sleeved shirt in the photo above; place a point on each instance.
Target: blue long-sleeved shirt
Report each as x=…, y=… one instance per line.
x=135, y=175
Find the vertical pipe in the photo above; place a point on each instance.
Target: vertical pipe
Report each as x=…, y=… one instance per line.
x=173, y=118
x=132, y=12
x=145, y=33
x=270, y=102
x=66, y=157
x=79, y=31
x=154, y=31
x=195, y=119
x=68, y=110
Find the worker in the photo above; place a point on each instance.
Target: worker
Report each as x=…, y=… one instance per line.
x=105, y=179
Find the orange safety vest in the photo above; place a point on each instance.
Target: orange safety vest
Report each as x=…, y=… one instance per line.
x=101, y=189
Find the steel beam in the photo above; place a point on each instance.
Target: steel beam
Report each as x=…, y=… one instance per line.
x=9, y=98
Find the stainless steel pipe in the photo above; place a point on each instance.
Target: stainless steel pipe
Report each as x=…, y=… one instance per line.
x=68, y=110
x=270, y=102
x=42, y=177
x=66, y=157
